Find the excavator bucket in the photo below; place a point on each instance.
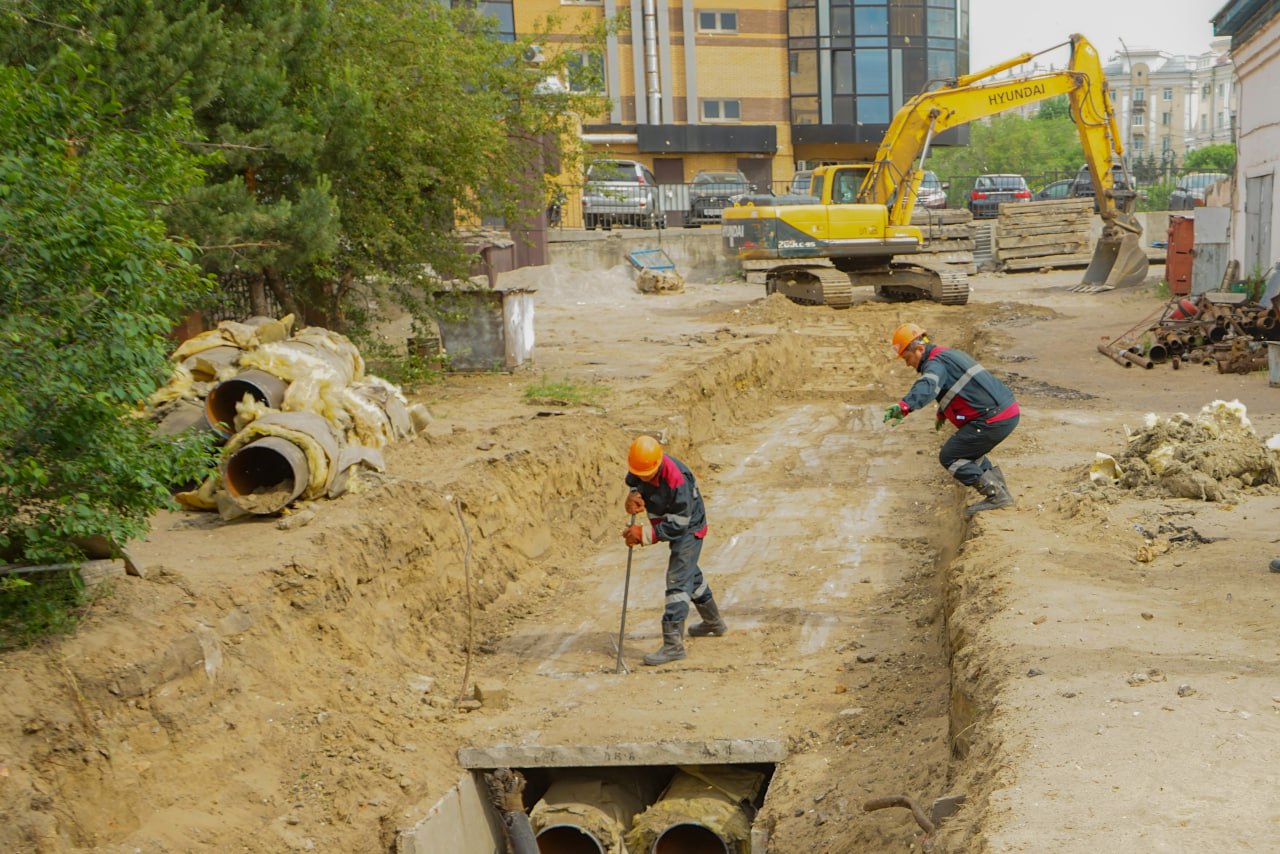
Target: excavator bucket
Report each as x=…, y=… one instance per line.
x=1117, y=261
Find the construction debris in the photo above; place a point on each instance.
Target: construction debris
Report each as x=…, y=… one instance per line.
x=1208, y=457
x=1222, y=329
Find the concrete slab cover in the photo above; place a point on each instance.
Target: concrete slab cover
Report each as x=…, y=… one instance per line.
x=713, y=752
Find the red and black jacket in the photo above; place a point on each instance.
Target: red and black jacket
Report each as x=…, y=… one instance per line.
x=672, y=501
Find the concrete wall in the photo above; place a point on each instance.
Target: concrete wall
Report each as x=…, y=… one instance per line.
x=697, y=253
x=461, y=821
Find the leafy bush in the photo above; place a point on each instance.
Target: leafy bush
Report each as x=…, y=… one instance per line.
x=90, y=284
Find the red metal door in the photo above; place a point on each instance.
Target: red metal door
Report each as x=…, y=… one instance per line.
x=1179, y=254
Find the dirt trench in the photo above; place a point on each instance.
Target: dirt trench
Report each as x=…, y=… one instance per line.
x=266, y=690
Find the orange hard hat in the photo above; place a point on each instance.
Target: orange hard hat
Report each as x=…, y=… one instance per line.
x=644, y=457
x=905, y=334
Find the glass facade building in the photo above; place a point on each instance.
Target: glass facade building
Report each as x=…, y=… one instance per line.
x=853, y=63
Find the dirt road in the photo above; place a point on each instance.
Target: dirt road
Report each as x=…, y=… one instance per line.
x=1094, y=669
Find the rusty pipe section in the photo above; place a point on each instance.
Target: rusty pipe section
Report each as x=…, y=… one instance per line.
x=220, y=403
x=265, y=475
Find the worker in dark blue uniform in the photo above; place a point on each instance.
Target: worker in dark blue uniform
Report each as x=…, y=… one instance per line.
x=666, y=493
x=969, y=396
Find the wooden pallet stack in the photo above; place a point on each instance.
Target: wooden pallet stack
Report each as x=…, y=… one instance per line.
x=1035, y=235
x=948, y=240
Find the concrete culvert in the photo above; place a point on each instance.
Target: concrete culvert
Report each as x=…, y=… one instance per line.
x=265, y=475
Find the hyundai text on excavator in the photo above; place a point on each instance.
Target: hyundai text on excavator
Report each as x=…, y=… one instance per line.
x=858, y=216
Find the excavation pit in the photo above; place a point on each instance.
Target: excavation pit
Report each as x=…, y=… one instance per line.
x=656, y=798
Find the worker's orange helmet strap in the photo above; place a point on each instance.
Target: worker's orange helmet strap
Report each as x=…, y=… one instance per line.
x=644, y=457
x=905, y=334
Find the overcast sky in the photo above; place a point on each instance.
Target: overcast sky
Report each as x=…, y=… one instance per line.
x=1002, y=29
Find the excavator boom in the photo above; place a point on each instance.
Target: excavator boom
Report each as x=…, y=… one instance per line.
x=1118, y=258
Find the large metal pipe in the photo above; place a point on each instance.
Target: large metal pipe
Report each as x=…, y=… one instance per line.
x=1114, y=356
x=690, y=838
x=220, y=403
x=265, y=475
x=652, y=80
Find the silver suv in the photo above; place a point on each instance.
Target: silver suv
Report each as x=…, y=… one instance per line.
x=623, y=192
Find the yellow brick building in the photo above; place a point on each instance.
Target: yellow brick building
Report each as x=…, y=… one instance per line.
x=764, y=86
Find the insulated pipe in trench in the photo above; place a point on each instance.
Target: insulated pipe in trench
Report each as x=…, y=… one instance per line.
x=265, y=475
x=690, y=838
x=568, y=839
x=220, y=403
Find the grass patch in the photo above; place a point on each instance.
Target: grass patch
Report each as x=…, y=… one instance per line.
x=564, y=392
x=44, y=604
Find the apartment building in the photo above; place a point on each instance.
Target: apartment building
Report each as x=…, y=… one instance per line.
x=765, y=86
x=1168, y=105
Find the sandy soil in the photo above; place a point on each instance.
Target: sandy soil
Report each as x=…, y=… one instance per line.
x=1094, y=669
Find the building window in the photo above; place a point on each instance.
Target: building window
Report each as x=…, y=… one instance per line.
x=1137, y=120
x=1166, y=144
x=1167, y=94
x=721, y=111
x=717, y=22
x=502, y=12
x=1139, y=95
x=1205, y=89
x=1222, y=90
x=584, y=71
x=1222, y=120
x=1164, y=118
x=1139, y=145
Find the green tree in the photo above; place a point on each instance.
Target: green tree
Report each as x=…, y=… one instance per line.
x=1211, y=158
x=90, y=283
x=1010, y=143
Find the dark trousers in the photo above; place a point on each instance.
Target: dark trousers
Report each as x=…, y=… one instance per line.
x=964, y=455
x=685, y=584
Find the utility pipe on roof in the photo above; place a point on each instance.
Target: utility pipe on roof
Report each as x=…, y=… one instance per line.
x=653, y=83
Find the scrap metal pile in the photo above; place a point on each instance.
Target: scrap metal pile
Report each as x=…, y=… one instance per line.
x=296, y=411
x=1217, y=328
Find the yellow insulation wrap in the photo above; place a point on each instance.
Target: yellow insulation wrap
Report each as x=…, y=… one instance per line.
x=709, y=796
x=310, y=432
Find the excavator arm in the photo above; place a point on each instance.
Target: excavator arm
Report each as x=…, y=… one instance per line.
x=895, y=176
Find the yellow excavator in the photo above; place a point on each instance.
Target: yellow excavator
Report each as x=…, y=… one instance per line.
x=858, y=216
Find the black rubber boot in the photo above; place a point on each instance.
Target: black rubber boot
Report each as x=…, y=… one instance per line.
x=672, y=644
x=712, y=624
x=995, y=470
x=996, y=492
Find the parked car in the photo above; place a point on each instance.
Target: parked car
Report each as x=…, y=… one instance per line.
x=1055, y=191
x=1083, y=186
x=800, y=183
x=623, y=192
x=932, y=193
x=1192, y=188
x=711, y=192
x=991, y=191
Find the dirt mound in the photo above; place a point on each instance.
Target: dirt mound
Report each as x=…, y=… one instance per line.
x=1210, y=457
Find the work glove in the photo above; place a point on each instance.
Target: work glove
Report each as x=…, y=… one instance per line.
x=638, y=535
x=635, y=503
x=937, y=424
x=894, y=414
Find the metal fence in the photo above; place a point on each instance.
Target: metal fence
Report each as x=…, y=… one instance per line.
x=675, y=206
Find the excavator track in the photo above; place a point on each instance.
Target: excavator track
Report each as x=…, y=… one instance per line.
x=907, y=282
x=811, y=285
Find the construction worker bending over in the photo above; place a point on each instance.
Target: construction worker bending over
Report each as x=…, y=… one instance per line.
x=664, y=490
x=971, y=398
